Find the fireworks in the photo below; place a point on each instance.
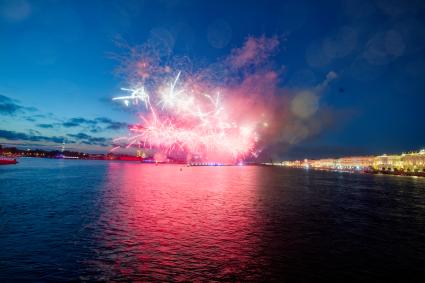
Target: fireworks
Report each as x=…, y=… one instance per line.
x=224, y=111
x=137, y=94
x=185, y=119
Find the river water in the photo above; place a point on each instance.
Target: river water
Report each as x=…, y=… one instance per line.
x=74, y=220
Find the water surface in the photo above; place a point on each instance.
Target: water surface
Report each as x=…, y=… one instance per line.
x=80, y=220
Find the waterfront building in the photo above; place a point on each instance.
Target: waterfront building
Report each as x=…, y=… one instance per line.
x=388, y=162
x=413, y=162
x=348, y=163
x=356, y=162
x=328, y=163
x=407, y=162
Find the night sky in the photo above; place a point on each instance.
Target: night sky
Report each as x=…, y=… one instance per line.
x=58, y=66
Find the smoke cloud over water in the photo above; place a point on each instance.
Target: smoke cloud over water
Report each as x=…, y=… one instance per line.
x=233, y=109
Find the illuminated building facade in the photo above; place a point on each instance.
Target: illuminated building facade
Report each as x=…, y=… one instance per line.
x=349, y=163
x=413, y=162
x=407, y=162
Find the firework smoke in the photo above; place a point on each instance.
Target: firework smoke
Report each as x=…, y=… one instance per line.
x=227, y=112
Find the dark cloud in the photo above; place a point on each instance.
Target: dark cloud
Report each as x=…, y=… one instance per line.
x=12, y=135
x=35, y=136
x=95, y=130
x=103, y=120
x=110, y=124
x=12, y=107
x=78, y=122
x=89, y=140
x=80, y=136
x=9, y=106
x=34, y=132
x=96, y=125
x=45, y=126
x=35, y=117
x=31, y=119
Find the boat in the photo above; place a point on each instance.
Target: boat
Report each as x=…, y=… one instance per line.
x=6, y=161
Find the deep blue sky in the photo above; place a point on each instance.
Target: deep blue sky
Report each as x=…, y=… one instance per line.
x=57, y=75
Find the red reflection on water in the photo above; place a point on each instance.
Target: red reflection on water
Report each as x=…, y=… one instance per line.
x=169, y=221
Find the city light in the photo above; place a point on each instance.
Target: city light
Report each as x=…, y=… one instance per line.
x=413, y=162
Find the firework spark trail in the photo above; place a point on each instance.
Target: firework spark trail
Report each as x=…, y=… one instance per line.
x=137, y=94
x=191, y=122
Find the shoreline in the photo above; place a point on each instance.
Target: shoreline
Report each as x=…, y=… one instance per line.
x=361, y=171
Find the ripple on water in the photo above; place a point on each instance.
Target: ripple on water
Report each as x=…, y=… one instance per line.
x=113, y=221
